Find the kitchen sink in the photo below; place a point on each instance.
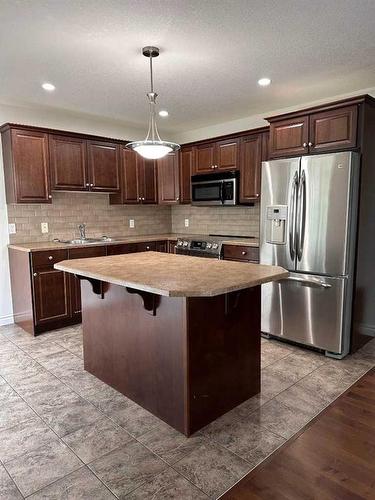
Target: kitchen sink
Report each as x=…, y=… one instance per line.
x=86, y=241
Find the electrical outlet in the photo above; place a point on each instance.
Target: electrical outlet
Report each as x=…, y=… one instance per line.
x=186, y=222
x=11, y=228
x=131, y=223
x=44, y=227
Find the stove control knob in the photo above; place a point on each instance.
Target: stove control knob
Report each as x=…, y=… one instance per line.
x=179, y=243
x=215, y=246
x=186, y=243
x=209, y=245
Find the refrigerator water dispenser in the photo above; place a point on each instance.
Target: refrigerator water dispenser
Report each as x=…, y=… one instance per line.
x=276, y=224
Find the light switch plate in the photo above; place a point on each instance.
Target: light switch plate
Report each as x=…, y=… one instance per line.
x=131, y=223
x=44, y=227
x=11, y=228
x=186, y=222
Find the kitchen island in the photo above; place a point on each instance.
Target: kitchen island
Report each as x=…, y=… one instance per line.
x=178, y=335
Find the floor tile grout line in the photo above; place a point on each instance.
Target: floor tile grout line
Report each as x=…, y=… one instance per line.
x=13, y=482
x=206, y=438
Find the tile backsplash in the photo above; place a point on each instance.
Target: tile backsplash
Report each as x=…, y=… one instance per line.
x=70, y=209
x=235, y=221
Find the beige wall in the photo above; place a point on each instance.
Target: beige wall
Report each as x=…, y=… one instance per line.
x=235, y=221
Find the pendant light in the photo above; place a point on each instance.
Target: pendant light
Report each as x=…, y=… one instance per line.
x=152, y=147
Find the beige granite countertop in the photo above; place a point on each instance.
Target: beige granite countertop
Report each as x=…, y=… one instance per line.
x=173, y=275
x=52, y=245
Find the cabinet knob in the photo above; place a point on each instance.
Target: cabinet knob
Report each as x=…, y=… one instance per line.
x=49, y=196
x=91, y=185
x=216, y=166
x=257, y=195
x=310, y=144
x=212, y=166
x=147, y=248
x=50, y=257
x=143, y=199
x=243, y=252
x=87, y=184
x=35, y=275
x=177, y=198
x=304, y=144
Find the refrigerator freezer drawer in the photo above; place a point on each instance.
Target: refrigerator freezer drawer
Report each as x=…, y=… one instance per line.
x=304, y=308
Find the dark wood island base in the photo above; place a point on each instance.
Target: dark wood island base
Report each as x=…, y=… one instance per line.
x=187, y=360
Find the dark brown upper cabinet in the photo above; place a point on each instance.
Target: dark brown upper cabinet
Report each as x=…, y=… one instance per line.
x=220, y=155
x=250, y=167
x=168, y=179
x=26, y=172
x=316, y=131
x=138, y=180
x=68, y=163
x=227, y=154
x=336, y=129
x=187, y=157
x=289, y=137
x=103, y=166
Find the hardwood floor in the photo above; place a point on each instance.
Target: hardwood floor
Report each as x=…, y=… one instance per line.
x=333, y=457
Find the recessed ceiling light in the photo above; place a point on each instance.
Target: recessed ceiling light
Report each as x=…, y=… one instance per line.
x=48, y=86
x=163, y=113
x=263, y=82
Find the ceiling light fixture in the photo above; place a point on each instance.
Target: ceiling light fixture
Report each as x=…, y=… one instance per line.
x=48, y=86
x=264, y=82
x=152, y=147
x=163, y=113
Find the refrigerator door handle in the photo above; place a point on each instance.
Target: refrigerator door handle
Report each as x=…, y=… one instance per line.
x=301, y=215
x=292, y=221
x=309, y=281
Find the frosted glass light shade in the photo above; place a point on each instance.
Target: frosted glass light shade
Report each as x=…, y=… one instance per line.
x=153, y=150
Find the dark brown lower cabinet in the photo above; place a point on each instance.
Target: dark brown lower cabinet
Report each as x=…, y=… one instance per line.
x=75, y=284
x=51, y=296
x=172, y=246
x=45, y=298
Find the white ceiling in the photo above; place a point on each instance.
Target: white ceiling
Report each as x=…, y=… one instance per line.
x=212, y=54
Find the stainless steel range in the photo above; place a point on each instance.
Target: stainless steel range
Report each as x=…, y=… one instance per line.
x=210, y=248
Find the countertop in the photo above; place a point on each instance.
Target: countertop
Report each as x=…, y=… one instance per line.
x=51, y=245
x=173, y=275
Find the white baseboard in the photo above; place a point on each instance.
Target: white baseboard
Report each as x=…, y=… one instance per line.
x=6, y=320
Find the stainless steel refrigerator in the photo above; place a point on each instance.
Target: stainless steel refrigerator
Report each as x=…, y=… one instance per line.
x=308, y=226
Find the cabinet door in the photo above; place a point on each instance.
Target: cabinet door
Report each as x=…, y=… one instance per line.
x=147, y=180
x=75, y=283
x=121, y=248
x=333, y=130
x=250, y=168
x=51, y=295
x=289, y=137
x=168, y=179
x=161, y=246
x=103, y=166
x=68, y=163
x=186, y=169
x=227, y=154
x=204, y=158
x=31, y=173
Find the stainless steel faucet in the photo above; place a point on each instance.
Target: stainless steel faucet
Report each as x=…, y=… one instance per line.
x=82, y=231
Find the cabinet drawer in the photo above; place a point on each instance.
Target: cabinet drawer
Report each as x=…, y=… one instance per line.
x=241, y=253
x=48, y=257
x=83, y=253
x=146, y=246
x=121, y=248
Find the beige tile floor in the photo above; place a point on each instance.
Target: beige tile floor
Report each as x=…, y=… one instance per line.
x=66, y=435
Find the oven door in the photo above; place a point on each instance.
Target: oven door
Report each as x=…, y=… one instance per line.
x=207, y=192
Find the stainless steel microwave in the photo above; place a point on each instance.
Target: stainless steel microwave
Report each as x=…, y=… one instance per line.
x=215, y=189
